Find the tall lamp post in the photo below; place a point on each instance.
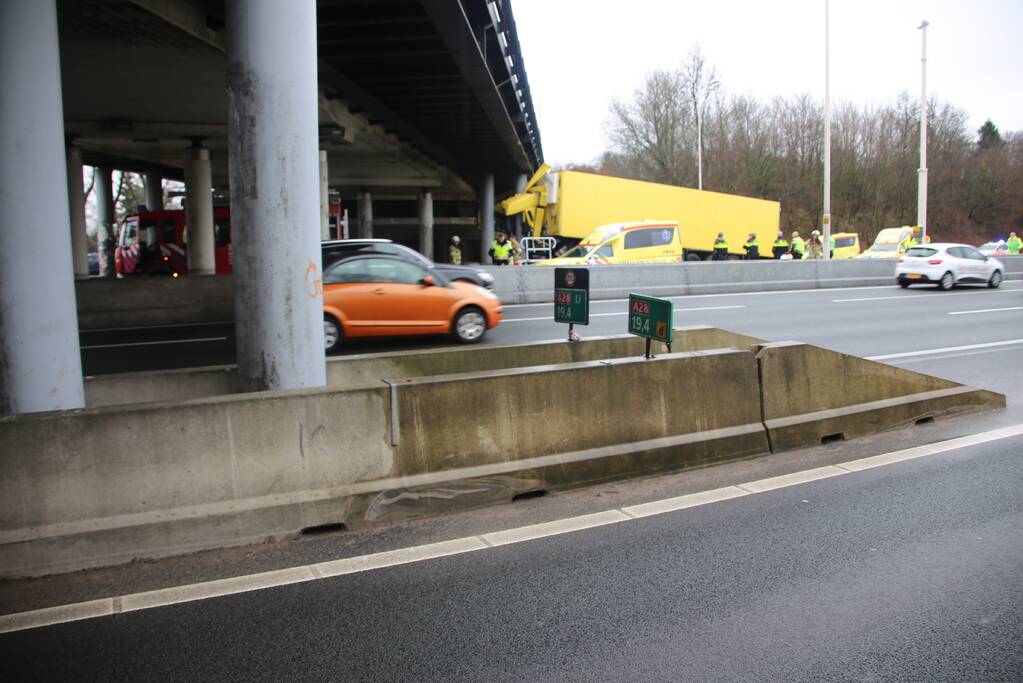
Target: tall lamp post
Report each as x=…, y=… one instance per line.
x=921, y=197
x=826, y=220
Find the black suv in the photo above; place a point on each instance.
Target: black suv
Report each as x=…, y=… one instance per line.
x=334, y=250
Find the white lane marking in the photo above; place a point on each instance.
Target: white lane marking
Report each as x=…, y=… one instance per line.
x=555, y=528
x=946, y=349
x=48, y=616
x=915, y=298
x=659, y=507
x=965, y=354
x=153, y=343
x=603, y=315
x=353, y=565
x=827, y=291
x=784, y=480
x=987, y=310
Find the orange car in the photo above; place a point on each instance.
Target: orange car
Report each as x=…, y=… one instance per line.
x=373, y=295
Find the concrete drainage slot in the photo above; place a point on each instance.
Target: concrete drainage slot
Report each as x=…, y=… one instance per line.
x=832, y=438
x=321, y=529
x=539, y=493
x=925, y=420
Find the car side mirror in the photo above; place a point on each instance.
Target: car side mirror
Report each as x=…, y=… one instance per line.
x=427, y=281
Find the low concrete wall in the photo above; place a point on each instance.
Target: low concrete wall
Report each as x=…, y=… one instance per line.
x=811, y=394
x=154, y=301
x=345, y=371
x=105, y=485
x=143, y=301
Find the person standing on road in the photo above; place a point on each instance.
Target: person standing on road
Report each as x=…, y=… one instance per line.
x=501, y=250
x=781, y=245
x=752, y=248
x=797, y=246
x=1014, y=244
x=814, y=248
x=720, y=252
x=455, y=251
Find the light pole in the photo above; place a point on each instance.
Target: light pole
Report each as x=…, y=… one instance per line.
x=827, y=131
x=921, y=197
x=710, y=88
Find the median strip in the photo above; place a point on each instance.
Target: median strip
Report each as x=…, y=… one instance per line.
x=164, y=597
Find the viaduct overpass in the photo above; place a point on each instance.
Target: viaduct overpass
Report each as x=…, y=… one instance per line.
x=394, y=106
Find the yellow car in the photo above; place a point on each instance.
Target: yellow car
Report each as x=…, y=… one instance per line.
x=847, y=244
x=635, y=242
x=891, y=243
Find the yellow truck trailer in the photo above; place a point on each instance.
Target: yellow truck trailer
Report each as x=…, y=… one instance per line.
x=568, y=205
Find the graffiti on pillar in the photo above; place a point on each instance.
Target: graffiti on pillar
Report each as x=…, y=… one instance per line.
x=313, y=283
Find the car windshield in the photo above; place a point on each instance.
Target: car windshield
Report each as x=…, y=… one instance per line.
x=988, y=246
x=888, y=246
x=578, y=251
x=921, y=251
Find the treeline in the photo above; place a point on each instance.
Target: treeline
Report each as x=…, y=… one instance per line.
x=775, y=150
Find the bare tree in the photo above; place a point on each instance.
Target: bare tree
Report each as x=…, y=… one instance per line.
x=699, y=81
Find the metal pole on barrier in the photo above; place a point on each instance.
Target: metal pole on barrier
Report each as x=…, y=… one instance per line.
x=827, y=132
x=921, y=197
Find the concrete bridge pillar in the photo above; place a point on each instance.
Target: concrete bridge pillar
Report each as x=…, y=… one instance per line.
x=486, y=217
x=366, y=215
x=426, y=225
x=324, y=196
x=103, y=187
x=76, y=207
x=154, y=191
x=199, y=212
x=40, y=366
x=273, y=140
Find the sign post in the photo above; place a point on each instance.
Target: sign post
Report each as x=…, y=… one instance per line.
x=572, y=298
x=651, y=318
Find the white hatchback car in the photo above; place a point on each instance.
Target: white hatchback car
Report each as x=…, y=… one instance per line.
x=948, y=265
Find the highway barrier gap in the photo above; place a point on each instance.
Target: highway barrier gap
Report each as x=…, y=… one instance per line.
x=104, y=303
x=106, y=485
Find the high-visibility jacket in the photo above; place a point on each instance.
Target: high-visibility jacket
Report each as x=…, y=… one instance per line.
x=720, y=245
x=781, y=244
x=752, y=248
x=798, y=245
x=502, y=252
x=455, y=255
x=1014, y=245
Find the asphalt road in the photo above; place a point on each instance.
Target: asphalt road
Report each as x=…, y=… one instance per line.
x=907, y=572
x=864, y=321
x=910, y=571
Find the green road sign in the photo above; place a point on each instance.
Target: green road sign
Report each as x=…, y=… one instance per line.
x=572, y=296
x=650, y=317
x=572, y=306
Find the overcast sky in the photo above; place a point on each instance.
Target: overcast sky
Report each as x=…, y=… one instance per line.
x=579, y=54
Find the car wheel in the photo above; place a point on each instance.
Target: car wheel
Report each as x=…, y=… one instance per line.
x=331, y=333
x=469, y=325
x=947, y=281
x=693, y=257
x=904, y=283
x=996, y=280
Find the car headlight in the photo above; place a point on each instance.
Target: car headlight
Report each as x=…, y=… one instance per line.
x=485, y=277
x=486, y=292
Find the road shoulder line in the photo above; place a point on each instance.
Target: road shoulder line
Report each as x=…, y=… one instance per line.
x=164, y=597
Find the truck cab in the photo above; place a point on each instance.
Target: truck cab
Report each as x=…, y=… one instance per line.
x=647, y=241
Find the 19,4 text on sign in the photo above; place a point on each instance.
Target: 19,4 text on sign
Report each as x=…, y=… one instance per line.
x=650, y=317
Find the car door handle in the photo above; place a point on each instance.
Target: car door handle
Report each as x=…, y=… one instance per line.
x=378, y=291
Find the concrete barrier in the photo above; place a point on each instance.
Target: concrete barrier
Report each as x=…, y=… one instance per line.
x=812, y=395
x=141, y=301
x=345, y=371
x=102, y=486
x=155, y=301
x=105, y=485
x=512, y=431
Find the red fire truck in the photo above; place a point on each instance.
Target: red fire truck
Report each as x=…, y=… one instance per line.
x=156, y=242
